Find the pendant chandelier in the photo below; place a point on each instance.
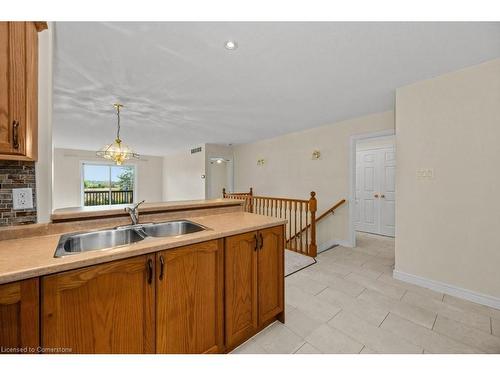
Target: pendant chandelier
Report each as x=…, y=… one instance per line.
x=117, y=151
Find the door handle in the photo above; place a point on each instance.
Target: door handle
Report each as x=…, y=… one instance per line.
x=261, y=241
x=15, y=134
x=150, y=271
x=256, y=239
x=162, y=266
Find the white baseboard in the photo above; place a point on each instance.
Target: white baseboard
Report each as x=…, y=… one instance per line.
x=328, y=244
x=344, y=243
x=448, y=289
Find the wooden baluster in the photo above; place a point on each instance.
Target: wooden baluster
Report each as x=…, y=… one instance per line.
x=300, y=234
x=294, y=205
x=250, y=209
x=290, y=220
x=307, y=226
x=284, y=217
x=313, y=248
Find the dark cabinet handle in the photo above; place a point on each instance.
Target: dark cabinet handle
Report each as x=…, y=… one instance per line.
x=261, y=241
x=150, y=271
x=15, y=134
x=256, y=242
x=162, y=266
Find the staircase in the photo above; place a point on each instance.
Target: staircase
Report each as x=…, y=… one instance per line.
x=300, y=213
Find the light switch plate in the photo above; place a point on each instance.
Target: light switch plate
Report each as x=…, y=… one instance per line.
x=425, y=173
x=22, y=198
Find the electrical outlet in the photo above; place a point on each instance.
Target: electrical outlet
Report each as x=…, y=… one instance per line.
x=22, y=198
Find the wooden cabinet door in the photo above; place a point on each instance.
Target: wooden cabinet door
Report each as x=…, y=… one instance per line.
x=18, y=90
x=19, y=316
x=107, y=308
x=189, y=299
x=270, y=274
x=240, y=288
x=5, y=105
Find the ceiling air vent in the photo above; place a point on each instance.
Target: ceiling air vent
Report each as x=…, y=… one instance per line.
x=195, y=150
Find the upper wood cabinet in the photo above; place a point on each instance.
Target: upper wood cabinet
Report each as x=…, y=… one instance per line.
x=19, y=316
x=189, y=299
x=107, y=308
x=254, y=282
x=19, y=90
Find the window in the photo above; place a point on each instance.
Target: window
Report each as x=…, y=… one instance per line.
x=105, y=184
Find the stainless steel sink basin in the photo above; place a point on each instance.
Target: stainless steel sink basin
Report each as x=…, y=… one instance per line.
x=98, y=240
x=171, y=228
x=74, y=243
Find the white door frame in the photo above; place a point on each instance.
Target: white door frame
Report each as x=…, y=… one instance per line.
x=353, y=140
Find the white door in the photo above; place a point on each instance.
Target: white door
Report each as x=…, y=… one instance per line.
x=366, y=190
x=217, y=179
x=388, y=192
x=375, y=191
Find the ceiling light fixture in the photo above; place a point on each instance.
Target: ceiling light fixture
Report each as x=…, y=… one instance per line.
x=231, y=45
x=117, y=151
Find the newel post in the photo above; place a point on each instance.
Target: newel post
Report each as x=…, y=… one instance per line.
x=224, y=192
x=250, y=203
x=313, y=206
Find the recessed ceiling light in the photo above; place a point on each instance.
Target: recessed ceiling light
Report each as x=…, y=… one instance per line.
x=230, y=45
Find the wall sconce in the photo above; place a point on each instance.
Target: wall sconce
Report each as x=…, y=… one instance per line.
x=260, y=162
x=316, y=155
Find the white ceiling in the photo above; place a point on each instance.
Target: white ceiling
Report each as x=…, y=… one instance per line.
x=181, y=87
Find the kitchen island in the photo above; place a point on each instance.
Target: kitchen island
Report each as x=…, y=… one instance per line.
x=204, y=292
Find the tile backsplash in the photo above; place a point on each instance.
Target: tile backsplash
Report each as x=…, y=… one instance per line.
x=16, y=174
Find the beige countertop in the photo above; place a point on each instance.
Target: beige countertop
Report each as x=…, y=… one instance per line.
x=78, y=213
x=24, y=258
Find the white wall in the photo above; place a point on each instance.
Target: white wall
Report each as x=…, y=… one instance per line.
x=182, y=176
x=67, y=176
x=43, y=166
x=447, y=227
x=215, y=173
x=289, y=170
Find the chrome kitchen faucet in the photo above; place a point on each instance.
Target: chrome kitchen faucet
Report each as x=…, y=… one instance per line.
x=134, y=212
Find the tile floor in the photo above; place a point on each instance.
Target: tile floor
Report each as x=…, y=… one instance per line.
x=295, y=261
x=349, y=303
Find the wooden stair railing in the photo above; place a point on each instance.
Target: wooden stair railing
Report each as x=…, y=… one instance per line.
x=247, y=205
x=298, y=212
x=331, y=210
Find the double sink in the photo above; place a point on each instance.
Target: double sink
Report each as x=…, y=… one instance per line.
x=75, y=243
